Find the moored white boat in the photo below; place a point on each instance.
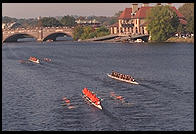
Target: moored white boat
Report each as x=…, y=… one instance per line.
x=128, y=81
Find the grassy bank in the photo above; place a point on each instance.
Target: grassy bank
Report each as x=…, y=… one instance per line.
x=175, y=39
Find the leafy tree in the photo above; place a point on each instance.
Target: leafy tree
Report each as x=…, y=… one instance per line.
x=88, y=30
x=190, y=25
x=50, y=22
x=188, y=11
x=6, y=19
x=102, y=31
x=78, y=30
x=162, y=23
x=181, y=29
x=68, y=21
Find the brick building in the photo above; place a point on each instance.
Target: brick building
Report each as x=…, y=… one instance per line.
x=132, y=20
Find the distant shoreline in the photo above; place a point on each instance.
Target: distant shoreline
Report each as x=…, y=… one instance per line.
x=171, y=40
x=180, y=40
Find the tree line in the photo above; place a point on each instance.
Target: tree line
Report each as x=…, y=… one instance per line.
x=87, y=32
x=67, y=20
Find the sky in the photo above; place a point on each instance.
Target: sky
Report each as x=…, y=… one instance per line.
x=34, y=10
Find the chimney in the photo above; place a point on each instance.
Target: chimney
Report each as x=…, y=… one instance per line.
x=134, y=8
x=158, y=4
x=145, y=4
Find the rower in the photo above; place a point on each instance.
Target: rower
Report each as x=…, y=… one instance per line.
x=112, y=73
x=129, y=77
x=121, y=76
x=94, y=97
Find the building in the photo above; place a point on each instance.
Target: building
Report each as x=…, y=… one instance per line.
x=85, y=22
x=132, y=20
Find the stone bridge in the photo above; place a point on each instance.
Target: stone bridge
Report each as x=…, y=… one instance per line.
x=40, y=34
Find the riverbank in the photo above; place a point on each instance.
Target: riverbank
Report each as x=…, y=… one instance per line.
x=118, y=40
x=181, y=40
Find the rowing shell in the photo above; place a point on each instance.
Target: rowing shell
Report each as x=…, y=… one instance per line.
x=98, y=106
x=37, y=61
x=128, y=81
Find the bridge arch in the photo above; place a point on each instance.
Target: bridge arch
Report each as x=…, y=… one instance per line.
x=53, y=36
x=16, y=36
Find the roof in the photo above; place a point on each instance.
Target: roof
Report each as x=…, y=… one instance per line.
x=177, y=12
x=184, y=22
x=126, y=14
x=142, y=12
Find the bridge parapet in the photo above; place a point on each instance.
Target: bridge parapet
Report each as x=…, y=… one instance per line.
x=36, y=32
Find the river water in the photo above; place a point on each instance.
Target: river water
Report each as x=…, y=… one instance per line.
x=32, y=94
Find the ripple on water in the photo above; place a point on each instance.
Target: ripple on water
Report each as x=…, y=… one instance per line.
x=32, y=93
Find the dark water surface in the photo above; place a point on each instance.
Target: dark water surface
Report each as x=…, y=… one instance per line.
x=32, y=93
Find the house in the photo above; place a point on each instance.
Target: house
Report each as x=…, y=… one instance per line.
x=86, y=22
x=132, y=20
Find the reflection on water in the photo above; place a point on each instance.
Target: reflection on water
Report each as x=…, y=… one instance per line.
x=64, y=38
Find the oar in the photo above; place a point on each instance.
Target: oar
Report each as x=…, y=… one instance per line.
x=23, y=61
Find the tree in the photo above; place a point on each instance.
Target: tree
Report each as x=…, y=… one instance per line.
x=162, y=23
x=181, y=29
x=77, y=32
x=88, y=33
x=68, y=21
x=190, y=25
x=102, y=31
x=50, y=22
x=6, y=19
x=188, y=11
